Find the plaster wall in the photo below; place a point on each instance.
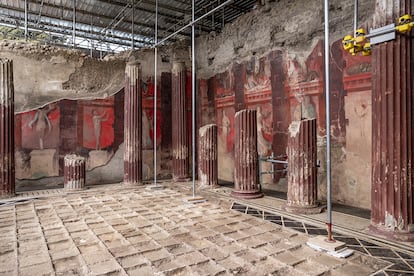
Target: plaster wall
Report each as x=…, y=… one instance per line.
x=68, y=102
x=276, y=54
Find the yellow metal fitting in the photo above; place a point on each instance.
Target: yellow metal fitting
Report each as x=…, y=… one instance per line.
x=406, y=18
x=405, y=24
x=348, y=42
x=356, y=49
x=366, y=49
x=360, y=36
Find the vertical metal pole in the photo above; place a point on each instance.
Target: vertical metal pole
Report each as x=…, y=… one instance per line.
x=132, y=25
x=74, y=24
x=222, y=22
x=155, y=92
x=193, y=93
x=355, y=16
x=25, y=19
x=91, y=41
x=328, y=122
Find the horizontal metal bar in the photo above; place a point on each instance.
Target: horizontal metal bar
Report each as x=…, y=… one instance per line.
x=193, y=22
x=274, y=161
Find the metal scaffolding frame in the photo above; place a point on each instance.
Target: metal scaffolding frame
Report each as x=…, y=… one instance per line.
x=193, y=82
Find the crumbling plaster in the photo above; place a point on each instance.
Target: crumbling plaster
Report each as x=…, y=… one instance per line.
x=45, y=74
x=295, y=26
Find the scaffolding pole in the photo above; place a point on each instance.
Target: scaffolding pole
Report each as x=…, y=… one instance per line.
x=133, y=23
x=355, y=16
x=74, y=24
x=155, y=92
x=193, y=111
x=328, y=123
x=26, y=8
x=193, y=22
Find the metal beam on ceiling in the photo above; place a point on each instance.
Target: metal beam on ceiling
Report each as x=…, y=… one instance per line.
x=69, y=22
x=80, y=12
x=172, y=15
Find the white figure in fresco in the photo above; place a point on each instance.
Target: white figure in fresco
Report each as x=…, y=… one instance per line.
x=308, y=110
x=42, y=122
x=361, y=111
x=97, y=126
x=263, y=146
x=225, y=124
x=225, y=130
x=146, y=138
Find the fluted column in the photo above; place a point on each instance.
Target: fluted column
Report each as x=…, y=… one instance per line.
x=74, y=172
x=180, y=134
x=133, y=125
x=207, y=156
x=246, y=178
x=302, y=157
x=392, y=208
x=7, y=167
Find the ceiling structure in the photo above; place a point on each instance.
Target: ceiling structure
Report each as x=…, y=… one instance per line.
x=116, y=25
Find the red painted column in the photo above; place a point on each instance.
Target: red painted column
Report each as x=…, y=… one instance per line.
x=7, y=167
x=246, y=177
x=392, y=208
x=302, y=157
x=132, y=125
x=207, y=156
x=74, y=172
x=180, y=143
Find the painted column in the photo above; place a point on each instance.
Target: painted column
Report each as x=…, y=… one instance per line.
x=74, y=172
x=302, y=158
x=180, y=139
x=246, y=177
x=133, y=125
x=7, y=167
x=392, y=194
x=207, y=156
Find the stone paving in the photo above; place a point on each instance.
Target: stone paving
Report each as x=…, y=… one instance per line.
x=117, y=230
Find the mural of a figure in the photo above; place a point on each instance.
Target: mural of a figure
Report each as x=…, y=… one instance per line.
x=305, y=108
x=256, y=76
x=361, y=111
x=146, y=137
x=263, y=146
x=308, y=110
x=97, y=120
x=43, y=125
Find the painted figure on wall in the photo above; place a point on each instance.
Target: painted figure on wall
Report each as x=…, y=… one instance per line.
x=43, y=125
x=257, y=79
x=226, y=130
x=98, y=124
x=305, y=109
x=146, y=128
x=264, y=132
x=97, y=120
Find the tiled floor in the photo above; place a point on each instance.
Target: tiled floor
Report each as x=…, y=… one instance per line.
x=401, y=263
x=116, y=230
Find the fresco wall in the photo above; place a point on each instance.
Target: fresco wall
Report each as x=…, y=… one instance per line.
x=283, y=88
x=93, y=129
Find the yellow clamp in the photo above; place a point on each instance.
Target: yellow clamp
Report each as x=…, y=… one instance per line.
x=405, y=24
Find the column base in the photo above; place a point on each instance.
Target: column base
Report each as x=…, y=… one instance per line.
x=305, y=210
x=182, y=179
x=6, y=195
x=396, y=235
x=133, y=183
x=247, y=194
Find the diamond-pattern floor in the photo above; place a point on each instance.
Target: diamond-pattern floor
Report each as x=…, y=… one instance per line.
x=400, y=263
x=117, y=230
